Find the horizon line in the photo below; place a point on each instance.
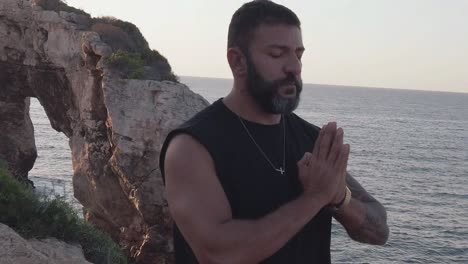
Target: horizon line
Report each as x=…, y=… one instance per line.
x=343, y=85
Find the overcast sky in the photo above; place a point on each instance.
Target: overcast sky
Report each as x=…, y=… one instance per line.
x=407, y=44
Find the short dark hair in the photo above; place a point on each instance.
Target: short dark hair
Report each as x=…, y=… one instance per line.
x=251, y=15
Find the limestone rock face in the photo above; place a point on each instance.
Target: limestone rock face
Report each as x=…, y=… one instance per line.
x=17, y=145
x=15, y=249
x=116, y=126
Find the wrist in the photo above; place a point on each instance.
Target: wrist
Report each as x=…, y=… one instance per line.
x=344, y=202
x=315, y=198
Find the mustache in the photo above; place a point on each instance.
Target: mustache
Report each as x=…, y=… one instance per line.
x=288, y=80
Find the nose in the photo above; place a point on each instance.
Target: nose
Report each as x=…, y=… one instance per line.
x=293, y=66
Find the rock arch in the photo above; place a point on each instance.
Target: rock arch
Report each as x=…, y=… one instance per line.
x=115, y=126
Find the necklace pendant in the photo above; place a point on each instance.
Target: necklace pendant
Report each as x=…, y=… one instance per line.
x=280, y=170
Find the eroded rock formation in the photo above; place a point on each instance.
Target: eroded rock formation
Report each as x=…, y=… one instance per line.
x=116, y=126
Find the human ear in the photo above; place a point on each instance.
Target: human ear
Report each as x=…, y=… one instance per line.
x=237, y=62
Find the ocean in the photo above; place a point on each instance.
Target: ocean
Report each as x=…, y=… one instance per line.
x=409, y=149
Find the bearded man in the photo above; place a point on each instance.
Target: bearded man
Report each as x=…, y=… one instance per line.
x=249, y=181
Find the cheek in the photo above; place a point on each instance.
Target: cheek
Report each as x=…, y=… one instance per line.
x=269, y=68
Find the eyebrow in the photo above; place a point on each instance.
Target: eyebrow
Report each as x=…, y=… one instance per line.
x=284, y=47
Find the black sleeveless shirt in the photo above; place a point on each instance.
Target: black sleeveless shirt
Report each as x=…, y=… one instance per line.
x=252, y=186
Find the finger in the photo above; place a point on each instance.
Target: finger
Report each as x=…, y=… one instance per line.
x=343, y=171
x=336, y=145
x=345, y=168
x=316, y=149
x=342, y=162
x=305, y=160
x=309, y=158
x=326, y=140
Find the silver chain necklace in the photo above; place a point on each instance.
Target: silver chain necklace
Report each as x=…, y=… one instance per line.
x=282, y=169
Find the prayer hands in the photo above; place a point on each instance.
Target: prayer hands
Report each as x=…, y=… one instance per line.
x=323, y=172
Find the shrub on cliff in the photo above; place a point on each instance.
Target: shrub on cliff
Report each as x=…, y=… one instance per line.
x=120, y=34
x=35, y=217
x=130, y=64
x=129, y=45
x=124, y=37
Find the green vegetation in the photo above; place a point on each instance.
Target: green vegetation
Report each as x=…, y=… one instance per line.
x=38, y=217
x=130, y=64
x=120, y=34
x=130, y=46
x=127, y=42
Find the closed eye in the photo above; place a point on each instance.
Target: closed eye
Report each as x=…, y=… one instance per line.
x=275, y=55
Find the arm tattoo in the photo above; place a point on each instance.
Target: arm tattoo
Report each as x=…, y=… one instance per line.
x=374, y=228
x=358, y=191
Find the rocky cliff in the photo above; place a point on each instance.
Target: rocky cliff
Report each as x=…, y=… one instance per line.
x=115, y=126
x=15, y=249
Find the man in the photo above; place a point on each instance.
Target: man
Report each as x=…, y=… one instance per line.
x=247, y=180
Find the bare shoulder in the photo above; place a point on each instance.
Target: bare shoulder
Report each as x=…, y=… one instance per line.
x=184, y=149
x=187, y=165
x=193, y=191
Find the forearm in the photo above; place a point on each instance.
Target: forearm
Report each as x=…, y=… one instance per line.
x=364, y=218
x=364, y=222
x=251, y=241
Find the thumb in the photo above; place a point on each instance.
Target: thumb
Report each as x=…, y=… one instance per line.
x=305, y=159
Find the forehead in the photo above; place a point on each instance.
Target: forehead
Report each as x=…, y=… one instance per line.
x=277, y=35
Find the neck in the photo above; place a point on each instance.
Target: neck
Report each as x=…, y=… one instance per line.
x=241, y=103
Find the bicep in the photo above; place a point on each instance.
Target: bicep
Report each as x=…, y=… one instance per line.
x=196, y=199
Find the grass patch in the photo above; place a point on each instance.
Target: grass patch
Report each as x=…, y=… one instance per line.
x=39, y=217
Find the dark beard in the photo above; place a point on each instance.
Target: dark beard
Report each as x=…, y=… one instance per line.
x=266, y=93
